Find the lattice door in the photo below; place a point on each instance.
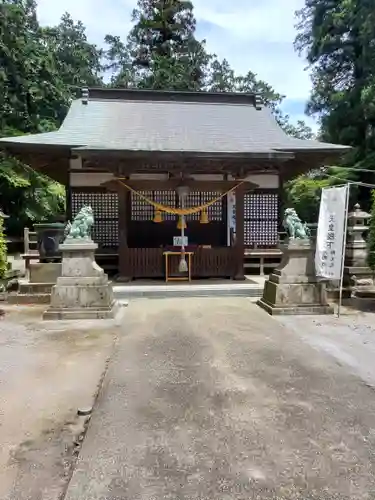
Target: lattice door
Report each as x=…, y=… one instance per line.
x=105, y=208
x=198, y=198
x=141, y=210
x=261, y=219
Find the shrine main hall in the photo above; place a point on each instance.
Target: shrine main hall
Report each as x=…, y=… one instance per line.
x=165, y=169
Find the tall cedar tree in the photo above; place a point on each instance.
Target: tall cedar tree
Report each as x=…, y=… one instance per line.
x=163, y=48
x=338, y=38
x=39, y=72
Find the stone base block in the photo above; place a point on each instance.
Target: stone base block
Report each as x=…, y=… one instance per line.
x=29, y=298
x=90, y=296
x=82, y=313
x=290, y=294
x=294, y=298
x=31, y=293
x=363, y=304
x=47, y=272
x=294, y=309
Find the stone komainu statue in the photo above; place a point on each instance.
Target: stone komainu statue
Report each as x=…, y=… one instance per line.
x=295, y=228
x=81, y=226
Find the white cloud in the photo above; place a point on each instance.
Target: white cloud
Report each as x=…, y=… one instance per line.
x=99, y=16
x=258, y=35
x=254, y=35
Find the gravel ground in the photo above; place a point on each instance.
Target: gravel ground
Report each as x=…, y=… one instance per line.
x=47, y=371
x=349, y=339
x=212, y=399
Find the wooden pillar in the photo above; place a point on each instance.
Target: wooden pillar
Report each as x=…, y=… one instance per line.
x=123, y=205
x=239, y=274
x=68, y=199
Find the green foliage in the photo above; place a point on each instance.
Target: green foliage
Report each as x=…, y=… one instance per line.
x=3, y=250
x=40, y=71
x=27, y=195
x=222, y=78
x=338, y=39
x=371, y=236
x=303, y=194
x=77, y=61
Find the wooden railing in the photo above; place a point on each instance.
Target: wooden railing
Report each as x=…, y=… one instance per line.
x=213, y=263
x=144, y=263
x=206, y=263
x=30, y=242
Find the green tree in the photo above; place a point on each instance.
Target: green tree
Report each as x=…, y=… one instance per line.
x=303, y=193
x=338, y=39
x=118, y=63
x=29, y=83
x=161, y=51
x=222, y=78
x=37, y=78
x=77, y=62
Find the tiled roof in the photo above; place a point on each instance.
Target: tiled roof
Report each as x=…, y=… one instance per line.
x=172, y=122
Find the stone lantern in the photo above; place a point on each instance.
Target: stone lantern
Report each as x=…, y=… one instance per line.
x=356, y=247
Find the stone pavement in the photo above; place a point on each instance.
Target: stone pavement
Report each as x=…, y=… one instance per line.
x=212, y=399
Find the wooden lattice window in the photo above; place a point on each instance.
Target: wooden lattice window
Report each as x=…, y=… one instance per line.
x=261, y=213
x=105, y=208
x=197, y=198
x=141, y=210
x=168, y=198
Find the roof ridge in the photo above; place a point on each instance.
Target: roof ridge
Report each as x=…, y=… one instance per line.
x=172, y=96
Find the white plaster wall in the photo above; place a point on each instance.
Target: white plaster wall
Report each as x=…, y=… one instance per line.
x=265, y=181
x=89, y=179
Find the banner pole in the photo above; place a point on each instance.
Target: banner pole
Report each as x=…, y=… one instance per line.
x=344, y=248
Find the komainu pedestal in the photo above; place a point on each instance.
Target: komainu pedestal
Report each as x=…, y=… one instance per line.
x=83, y=290
x=293, y=288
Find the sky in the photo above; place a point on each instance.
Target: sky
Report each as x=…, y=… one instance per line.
x=254, y=35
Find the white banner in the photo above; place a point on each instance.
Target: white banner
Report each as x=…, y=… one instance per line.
x=231, y=214
x=330, y=240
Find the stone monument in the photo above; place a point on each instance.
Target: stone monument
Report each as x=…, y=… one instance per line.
x=293, y=287
x=83, y=290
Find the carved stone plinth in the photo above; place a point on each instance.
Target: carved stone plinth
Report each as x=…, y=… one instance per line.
x=363, y=298
x=83, y=290
x=293, y=288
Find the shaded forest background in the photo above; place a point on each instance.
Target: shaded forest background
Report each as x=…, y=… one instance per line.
x=43, y=68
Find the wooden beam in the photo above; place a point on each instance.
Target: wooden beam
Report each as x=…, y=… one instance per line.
x=239, y=247
x=152, y=185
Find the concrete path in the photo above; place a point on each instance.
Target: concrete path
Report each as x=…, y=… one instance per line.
x=47, y=371
x=211, y=399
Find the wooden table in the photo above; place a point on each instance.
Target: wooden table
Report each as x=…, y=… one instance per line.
x=177, y=278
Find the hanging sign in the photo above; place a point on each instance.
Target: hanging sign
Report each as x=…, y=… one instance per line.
x=231, y=215
x=178, y=241
x=330, y=240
